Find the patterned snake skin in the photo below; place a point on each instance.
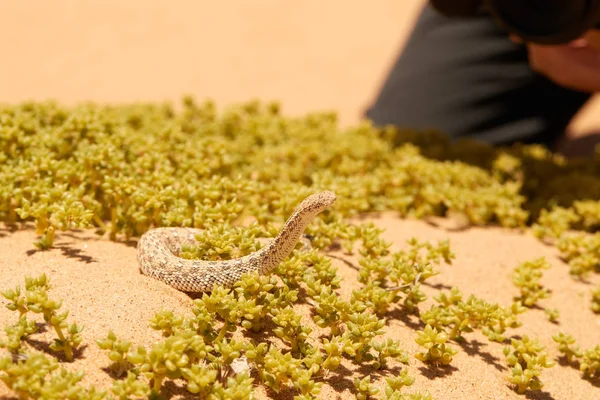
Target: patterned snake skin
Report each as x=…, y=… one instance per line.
x=158, y=251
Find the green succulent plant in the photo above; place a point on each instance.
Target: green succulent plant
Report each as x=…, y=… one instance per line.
x=238, y=173
x=527, y=357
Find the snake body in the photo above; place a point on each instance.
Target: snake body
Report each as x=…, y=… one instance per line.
x=158, y=252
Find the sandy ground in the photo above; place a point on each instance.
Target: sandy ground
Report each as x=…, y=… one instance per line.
x=309, y=55
x=103, y=289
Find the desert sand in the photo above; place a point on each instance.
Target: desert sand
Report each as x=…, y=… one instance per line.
x=311, y=56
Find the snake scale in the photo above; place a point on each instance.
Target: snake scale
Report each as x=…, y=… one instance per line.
x=158, y=252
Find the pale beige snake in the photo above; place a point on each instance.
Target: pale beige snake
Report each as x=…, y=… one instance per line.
x=158, y=252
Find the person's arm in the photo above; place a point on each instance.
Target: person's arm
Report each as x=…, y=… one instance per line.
x=575, y=65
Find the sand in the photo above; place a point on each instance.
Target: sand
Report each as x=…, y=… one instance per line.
x=102, y=288
x=310, y=56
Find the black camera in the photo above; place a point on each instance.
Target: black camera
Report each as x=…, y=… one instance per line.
x=538, y=21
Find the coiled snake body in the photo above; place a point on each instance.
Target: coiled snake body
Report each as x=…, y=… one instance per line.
x=158, y=252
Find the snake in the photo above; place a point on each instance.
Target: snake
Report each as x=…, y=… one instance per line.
x=158, y=252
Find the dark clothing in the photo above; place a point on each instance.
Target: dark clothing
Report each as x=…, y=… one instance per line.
x=464, y=77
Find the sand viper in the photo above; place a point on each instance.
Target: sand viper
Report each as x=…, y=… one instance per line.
x=158, y=252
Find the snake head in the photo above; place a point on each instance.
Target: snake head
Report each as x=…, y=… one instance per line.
x=318, y=202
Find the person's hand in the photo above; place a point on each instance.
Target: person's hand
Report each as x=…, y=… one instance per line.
x=575, y=65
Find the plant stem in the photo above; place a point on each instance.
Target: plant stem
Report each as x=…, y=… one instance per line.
x=222, y=333
x=66, y=344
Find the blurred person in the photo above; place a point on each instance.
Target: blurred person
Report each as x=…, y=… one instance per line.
x=468, y=77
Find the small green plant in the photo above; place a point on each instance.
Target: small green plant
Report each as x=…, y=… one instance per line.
x=17, y=333
x=35, y=300
x=393, y=277
x=435, y=342
x=169, y=359
x=167, y=322
x=34, y=375
x=412, y=396
x=596, y=300
x=362, y=328
x=221, y=241
x=394, y=385
x=589, y=363
x=526, y=277
x=281, y=368
x=526, y=358
x=56, y=211
x=366, y=390
x=118, y=350
x=553, y=314
x=290, y=328
x=582, y=252
x=330, y=310
x=131, y=386
x=551, y=224
x=238, y=387
x=567, y=346
x=460, y=315
x=334, y=349
x=386, y=350
x=589, y=212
